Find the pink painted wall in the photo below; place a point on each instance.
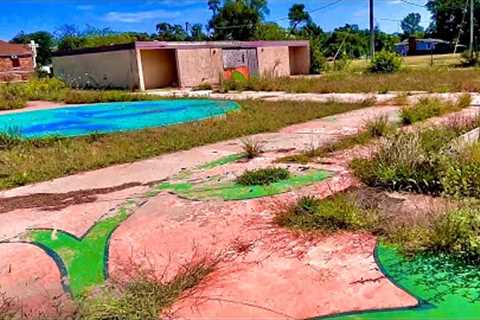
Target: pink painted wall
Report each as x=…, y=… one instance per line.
x=196, y=66
x=274, y=61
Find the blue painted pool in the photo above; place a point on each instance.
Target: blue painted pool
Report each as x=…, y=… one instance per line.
x=111, y=117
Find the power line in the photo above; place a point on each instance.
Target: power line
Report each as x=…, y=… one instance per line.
x=326, y=6
x=414, y=4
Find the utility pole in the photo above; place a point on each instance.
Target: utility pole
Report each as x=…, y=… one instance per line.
x=372, y=29
x=471, y=27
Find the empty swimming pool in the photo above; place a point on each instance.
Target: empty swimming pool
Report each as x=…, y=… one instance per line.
x=111, y=117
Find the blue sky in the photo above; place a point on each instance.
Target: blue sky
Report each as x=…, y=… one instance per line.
x=142, y=15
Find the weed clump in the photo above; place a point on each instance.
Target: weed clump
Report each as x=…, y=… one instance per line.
x=143, y=297
x=421, y=162
x=338, y=212
x=263, y=176
x=461, y=172
x=252, y=148
x=378, y=127
x=432, y=107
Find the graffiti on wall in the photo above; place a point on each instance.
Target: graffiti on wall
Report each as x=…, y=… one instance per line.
x=240, y=64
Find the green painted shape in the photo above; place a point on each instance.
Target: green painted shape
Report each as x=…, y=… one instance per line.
x=238, y=76
x=230, y=191
x=84, y=260
x=445, y=288
x=222, y=161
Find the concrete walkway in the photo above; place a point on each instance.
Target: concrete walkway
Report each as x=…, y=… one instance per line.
x=269, y=273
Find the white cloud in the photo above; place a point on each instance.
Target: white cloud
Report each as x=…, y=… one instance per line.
x=140, y=16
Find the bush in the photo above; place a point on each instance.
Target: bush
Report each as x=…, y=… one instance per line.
x=339, y=212
x=378, y=127
x=385, y=62
x=461, y=172
x=457, y=233
x=427, y=108
x=263, y=176
x=424, y=109
x=404, y=162
x=413, y=161
x=11, y=97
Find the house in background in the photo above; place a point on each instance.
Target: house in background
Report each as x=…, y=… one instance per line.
x=148, y=65
x=413, y=46
x=17, y=61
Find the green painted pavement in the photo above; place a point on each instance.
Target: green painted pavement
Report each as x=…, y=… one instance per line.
x=83, y=262
x=222, y=161
x=233, y=191
x=445, y=288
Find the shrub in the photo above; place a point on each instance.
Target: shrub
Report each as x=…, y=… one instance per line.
x=457, y=233
x=424, y=109
x=252, y=148
x=263, y=176
x=385, y=62
x=412, y=161
x=427, y=108
x=378, y=127
x=11, y=97
x=339, y=212
x=406, y=161
x=461, y=172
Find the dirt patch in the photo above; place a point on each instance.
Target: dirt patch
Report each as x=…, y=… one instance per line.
x=58, y=201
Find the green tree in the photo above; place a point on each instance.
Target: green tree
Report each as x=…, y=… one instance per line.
x=449, y=17
x=171, y=32
x=196, y=33
x=297, y=15
x=271, y=31
x=237, y=19
x=45, y=41
x=411, y=24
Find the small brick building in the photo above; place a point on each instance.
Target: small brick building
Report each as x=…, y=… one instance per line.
x=16, y=61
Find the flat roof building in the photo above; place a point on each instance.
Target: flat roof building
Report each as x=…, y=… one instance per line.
x=148, y=65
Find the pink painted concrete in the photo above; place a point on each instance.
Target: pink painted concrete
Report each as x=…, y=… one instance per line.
x=277, y=277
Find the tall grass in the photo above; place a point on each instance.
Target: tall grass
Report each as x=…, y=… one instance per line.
x=430, y=80
x=33, y=161
x=418, y=161
x=427, y=108
x=145, y=296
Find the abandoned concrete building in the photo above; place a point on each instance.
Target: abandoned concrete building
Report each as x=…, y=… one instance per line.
x=148, y=65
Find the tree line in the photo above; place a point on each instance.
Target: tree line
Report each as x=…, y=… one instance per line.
x=246, y=20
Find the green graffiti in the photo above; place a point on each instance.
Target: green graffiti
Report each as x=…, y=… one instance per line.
x=233, y=191
x=222, y=161
x=83, y=261
x=238, y=76
x=444, y=287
